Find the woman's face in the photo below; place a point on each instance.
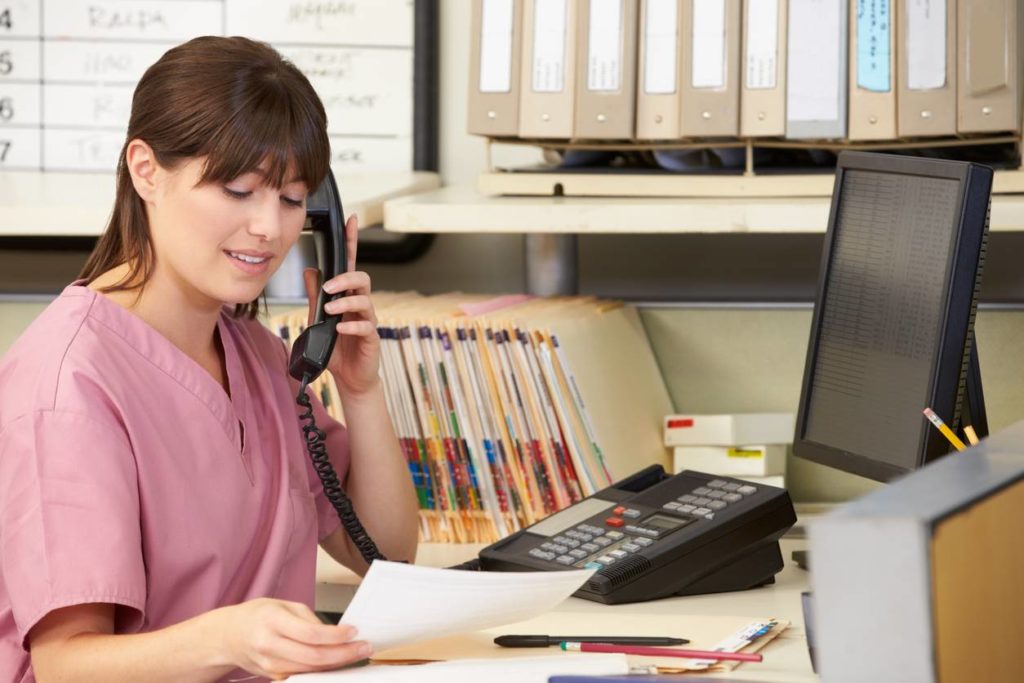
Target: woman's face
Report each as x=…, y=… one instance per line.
x=223, y=241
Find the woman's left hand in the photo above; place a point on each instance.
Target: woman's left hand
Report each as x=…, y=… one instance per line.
x=356, y=359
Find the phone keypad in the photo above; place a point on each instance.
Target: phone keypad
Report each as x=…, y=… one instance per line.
x=595, y=547
x=714, y=496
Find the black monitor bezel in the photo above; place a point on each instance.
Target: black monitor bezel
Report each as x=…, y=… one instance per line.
x=960, y=304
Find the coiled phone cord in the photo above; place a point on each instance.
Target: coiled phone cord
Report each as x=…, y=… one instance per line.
x=315, y=444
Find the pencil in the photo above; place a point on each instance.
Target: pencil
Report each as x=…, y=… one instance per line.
x=972, y=436
x=662, y=652
x=946, y=431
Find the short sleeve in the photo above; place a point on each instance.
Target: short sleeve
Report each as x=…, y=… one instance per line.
x=69, y=518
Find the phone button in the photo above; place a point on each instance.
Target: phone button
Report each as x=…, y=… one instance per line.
x=590, y=547
x=615, y=535
x=641, y=542
x=593, y=565
x=618, y=511
x=601, y=541
x=615, y=521
x=541, y=555
x=565, y=559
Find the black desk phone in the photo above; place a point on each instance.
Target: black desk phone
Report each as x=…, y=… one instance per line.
x=653, y=535
x=650, y=535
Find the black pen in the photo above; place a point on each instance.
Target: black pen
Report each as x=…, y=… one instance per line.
x=546, y=641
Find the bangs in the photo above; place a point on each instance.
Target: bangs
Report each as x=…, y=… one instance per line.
x=269, y=128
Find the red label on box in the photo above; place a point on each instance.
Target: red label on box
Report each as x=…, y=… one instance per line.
x=682, y=422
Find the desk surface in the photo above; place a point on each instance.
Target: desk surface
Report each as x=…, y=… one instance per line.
x=785, y=659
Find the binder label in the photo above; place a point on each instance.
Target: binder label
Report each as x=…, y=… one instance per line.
x=816, y=51
x=708, y=44
x=496, y=24
x=874, y=51
x=661, y=38
x=762, y=32
x=604, y=46
x=926, y=44
x=549, y=45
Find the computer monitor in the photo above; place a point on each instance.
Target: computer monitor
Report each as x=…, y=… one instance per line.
x=892, y=331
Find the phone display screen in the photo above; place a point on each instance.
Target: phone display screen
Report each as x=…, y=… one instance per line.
x=571, y=516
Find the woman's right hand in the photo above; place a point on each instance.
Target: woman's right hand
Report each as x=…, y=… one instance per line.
x=277, y=638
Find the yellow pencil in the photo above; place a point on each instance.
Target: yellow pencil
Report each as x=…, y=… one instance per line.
x=946, y=431
x=971, y=435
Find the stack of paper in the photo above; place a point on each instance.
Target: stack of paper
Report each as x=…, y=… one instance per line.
x=511, y=408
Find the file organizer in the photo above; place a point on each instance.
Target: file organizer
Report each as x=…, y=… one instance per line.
x=512, y=408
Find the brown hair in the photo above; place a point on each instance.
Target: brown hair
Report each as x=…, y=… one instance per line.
x=233, y=100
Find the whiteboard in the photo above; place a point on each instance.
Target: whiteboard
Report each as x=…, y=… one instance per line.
x=68, y=69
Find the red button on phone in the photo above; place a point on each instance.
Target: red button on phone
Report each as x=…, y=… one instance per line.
x=618, y=511
x=614, y=521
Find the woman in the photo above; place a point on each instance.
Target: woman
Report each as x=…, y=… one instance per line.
x=158, y=512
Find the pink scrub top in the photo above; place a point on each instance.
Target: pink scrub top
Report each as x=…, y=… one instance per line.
x=129, y=476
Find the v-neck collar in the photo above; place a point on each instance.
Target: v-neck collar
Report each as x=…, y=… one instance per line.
x=157, y=349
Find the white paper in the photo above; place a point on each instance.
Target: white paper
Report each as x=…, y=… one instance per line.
x=496, y=24
x=511, y=670
x=661, y=38
x=926, y=44
x=604, y=46
x=708, y=42
x=762, y=43
x=397, y=604
x=549, y=45
x=812, y=78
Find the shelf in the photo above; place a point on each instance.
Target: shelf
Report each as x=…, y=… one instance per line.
x=51, y=204
x=543, y=183
x=464, y=210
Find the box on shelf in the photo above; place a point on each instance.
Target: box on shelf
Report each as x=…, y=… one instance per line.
x=736, y=461
x=736, y=429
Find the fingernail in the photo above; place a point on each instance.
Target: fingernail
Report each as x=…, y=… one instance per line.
x=365, y=650
x=330, y=287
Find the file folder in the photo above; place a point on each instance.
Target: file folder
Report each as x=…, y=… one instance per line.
x=710, y=74
x=872, y=70
x=606, y=77
x=926, y=82
x=989, y=67
x=548, y=78
x=657, y=96
x=816, y=64
x=763, y=91
x=494, y=68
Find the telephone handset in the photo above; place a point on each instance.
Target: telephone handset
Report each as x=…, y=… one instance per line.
x=313, y=347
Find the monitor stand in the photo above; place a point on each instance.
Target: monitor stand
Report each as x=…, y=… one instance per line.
x=972, y=412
